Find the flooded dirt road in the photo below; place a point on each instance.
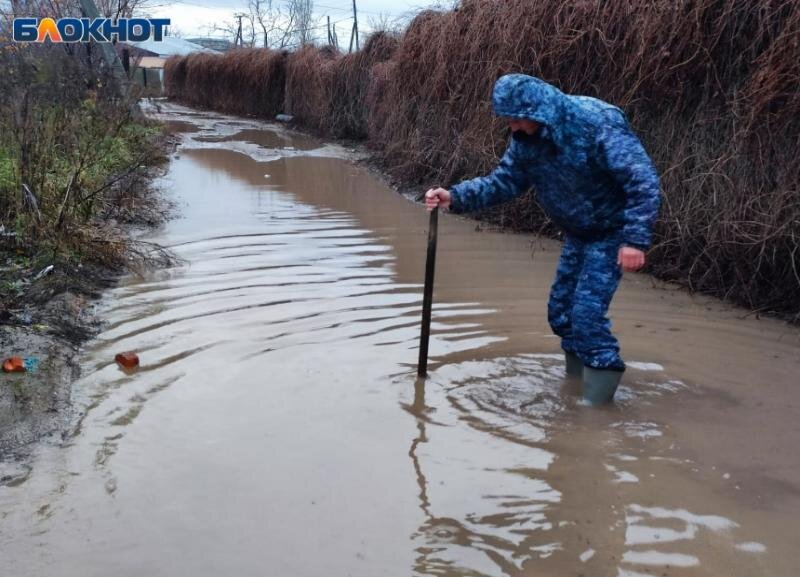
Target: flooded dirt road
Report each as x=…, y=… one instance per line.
x=275, y=426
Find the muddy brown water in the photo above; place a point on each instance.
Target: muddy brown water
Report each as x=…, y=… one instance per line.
x=276, y=427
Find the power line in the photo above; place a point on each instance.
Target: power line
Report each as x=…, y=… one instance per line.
x=354, y=33
x=316, y=4
x=284, y=2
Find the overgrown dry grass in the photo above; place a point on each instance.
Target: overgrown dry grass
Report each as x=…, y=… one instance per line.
x=711, y=86
x=247, y=81
x=73, y=155
x=327, y=91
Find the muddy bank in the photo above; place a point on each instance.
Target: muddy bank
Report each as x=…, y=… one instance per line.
x=47, y=322
x=276, y=411
x=48, y=312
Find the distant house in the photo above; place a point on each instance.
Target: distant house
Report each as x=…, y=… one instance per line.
x=213, y=43
x=149, y=57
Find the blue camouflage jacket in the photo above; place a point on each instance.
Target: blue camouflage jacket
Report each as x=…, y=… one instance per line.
x=590, y=173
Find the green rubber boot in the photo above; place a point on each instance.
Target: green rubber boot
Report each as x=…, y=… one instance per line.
x=574, y=365
x=599, y=385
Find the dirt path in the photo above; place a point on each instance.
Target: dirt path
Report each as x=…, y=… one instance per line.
x=275, y=426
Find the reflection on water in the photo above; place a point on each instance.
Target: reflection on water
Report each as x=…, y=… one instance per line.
x=275, y=425
x=265, y=139
x=542, y=484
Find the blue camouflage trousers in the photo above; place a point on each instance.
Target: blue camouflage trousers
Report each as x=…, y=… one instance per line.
x=586, y=279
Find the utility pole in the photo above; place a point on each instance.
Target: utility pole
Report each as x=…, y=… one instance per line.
x=354, y=33
x=109, y=54
x=107, y=49
x=239, y=40
x=126, y=61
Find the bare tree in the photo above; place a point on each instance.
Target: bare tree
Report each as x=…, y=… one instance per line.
x=230, y=28
x=122, y=8
x=383, y=22
x=282, y=25
x=273, y=24
x=60, y=9
x=248, y=30
x=302, y=14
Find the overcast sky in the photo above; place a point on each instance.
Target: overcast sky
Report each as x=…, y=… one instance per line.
x=197, y=17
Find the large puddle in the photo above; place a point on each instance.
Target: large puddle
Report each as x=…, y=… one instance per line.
x=276, y=427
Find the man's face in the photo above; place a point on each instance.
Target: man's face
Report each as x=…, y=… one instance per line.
x=529, y=127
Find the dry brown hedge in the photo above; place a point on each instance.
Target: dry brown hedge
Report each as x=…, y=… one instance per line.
x=246, y=81
x=711, y=86
x=326, y=91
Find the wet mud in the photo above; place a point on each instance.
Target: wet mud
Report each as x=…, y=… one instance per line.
x=276, y=427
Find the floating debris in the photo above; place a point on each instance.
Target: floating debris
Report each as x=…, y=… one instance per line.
x=127, y=360
x=30, y=363
x=20, y=365
x=14, y=365
x=44, y=272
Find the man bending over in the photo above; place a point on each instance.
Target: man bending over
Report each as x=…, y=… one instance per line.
x=594, y=180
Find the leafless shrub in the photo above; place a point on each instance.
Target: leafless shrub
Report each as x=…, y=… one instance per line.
x=71, y=148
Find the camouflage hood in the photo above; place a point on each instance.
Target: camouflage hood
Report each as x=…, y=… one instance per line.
x=567, y=118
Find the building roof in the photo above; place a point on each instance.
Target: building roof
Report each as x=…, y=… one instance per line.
x=135, y=51
x=219, y=44
x=171, y=46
